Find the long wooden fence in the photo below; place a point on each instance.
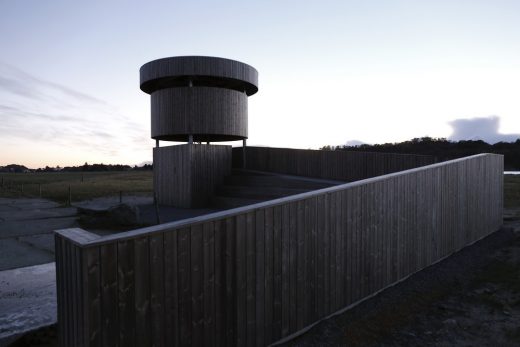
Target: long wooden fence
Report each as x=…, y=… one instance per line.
x=338, y=165
x=257, y=274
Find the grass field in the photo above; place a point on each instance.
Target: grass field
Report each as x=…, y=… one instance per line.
x=511, y=191
x=83, y=185
x=88, y=185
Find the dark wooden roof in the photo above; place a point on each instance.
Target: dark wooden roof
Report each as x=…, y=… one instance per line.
x=201, y=71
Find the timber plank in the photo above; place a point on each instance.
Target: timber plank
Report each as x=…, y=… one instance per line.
x=250, y=236
x=310, y=205
x=126, y=292
x=142, y=292
x=241, y=282
x=157, y=301
x=285, y=249
x=277, y=272
x=78, y=302
x=333, y=250
x=209, y=283
x=184, y=285
x=340, y=252
x=196, y=270
x=325, y=269
x=171, y=299
x=260, y=276
x=220, y=283
x=269, y=275
x=92, y=301
x=320, y=248
x=109, y=307
x=230, y=281
x=347, y=211
x=300, y=276
x=293, y=267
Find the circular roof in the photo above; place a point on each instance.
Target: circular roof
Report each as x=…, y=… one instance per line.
x=200, y=71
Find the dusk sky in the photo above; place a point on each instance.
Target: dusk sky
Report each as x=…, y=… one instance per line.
x=330, y=72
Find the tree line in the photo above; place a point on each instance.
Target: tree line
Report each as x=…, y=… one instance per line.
x=16, y=168
x=444, y=149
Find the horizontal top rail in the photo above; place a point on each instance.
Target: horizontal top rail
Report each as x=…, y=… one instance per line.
x=93, y=241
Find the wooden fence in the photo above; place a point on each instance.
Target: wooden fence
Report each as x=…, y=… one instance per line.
x=257, y=274
x=334, y=165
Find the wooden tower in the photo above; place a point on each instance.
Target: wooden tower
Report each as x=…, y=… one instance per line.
x=196, y=100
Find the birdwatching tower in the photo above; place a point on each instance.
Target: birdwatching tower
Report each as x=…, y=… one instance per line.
x=196, y=100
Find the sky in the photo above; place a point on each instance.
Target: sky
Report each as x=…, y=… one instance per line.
x=330, y=72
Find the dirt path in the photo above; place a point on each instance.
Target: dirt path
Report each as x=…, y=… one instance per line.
x=27, y=230
x=470, y=299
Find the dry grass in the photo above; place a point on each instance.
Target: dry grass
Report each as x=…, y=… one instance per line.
x=511, y=191
x=97, y=184
x=88, y=185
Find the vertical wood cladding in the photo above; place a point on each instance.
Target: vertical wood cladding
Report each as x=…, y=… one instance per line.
x=254, y=275
x=333, y=165
x=207, y=113
x=185, y=175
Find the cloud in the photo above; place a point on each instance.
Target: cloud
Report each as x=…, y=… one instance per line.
x=44, y=112
x=22, y=83
x=354, y=143
x=480, y=128
x=17, y=87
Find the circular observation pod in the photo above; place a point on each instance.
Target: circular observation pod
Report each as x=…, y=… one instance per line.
x=205, y=97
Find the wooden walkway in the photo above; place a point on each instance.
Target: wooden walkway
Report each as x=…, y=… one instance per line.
x=333, y=165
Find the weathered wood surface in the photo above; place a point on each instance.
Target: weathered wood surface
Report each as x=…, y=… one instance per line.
x=334, y=165
x=208, y=71
x=257, y=274
x=209, y=114
x=186, y=175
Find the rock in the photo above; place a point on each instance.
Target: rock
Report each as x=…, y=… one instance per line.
x=450, y=323
x=124, y=214
x=481, y=291
x=443, y=307
x=117, y=216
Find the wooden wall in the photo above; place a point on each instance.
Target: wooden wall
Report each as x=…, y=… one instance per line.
x=254, y=275
x=186, y=175
x=334, y=165
x=207, y=113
